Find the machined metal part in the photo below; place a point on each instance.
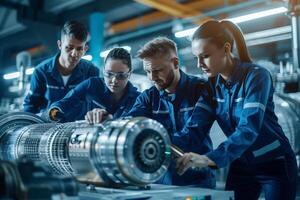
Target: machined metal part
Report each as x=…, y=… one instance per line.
x=287, y=110
x=132, y=151
x=176, y=151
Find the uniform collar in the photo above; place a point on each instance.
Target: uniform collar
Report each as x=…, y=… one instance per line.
x=131, y=90
x=234, y=77
x=131, y=93
x=53, y=69
x=179, y=88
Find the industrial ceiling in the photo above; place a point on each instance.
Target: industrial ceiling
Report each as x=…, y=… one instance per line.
x=33, y=25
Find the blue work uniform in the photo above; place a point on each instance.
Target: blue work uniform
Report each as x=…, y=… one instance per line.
x=172, y=111
x=47, y=85
x=97, y=95
x=256, y=145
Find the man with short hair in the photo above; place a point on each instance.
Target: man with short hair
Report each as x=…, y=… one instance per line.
x=171, y=102
x=55, y=77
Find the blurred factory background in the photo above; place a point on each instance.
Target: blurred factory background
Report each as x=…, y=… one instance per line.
x=33, y=26
x=29, y=30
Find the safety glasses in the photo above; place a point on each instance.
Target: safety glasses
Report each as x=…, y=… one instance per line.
x=117, y=75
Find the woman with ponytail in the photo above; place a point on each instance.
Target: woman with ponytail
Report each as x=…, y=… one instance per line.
x=239, y=97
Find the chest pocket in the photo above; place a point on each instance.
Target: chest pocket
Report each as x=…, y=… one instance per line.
x=55, y=93
x=163, y=116
x=222, y=110
x=123, y=110
x=238, y=105
x=183, y=115
x=96, y=104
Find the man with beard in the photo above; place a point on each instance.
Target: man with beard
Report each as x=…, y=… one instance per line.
x=55, y=77
x=171, y=101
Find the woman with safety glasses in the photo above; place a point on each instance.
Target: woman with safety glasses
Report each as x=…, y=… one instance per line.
x=115, y=93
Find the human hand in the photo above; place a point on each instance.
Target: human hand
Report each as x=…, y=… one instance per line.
x=192, y=160
x=54, y=114
x=97, y=115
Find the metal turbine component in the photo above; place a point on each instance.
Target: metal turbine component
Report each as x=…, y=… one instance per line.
x=132, y=151
x=288, y=113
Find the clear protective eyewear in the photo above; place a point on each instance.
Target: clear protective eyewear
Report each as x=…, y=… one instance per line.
x=117, y=75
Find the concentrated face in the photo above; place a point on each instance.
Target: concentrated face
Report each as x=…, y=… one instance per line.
x=211, y=59
x=71, y=51
x=116, y=75
x=161, y=70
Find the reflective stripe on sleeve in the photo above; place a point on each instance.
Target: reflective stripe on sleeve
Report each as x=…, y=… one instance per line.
x=160, y=111
x=205, y=107
x=55, y=87
x=239, y=99
x=187, y=109
x=266, y=148
x=220, y=100
x=254, y=105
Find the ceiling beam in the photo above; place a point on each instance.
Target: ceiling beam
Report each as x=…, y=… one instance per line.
x=94, y=6
x=187, y=10
x=171, y=7
x=158, y=16
x=28, y=14
x=136, y=22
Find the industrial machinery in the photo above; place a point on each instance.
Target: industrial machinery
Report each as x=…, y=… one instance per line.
x=287, y=110
x=117, y=153
x=23, y=179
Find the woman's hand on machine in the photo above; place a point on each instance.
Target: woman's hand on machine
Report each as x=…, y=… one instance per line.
x=97, y=115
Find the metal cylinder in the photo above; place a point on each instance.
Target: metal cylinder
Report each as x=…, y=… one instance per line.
x=132, y=151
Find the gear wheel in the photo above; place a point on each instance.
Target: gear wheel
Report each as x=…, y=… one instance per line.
x=149, y=151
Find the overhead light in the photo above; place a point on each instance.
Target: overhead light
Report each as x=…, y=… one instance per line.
x=257, y=15
x=103, y=54
x=29, y=71
x=185, y=33
x=11, y=75
x=244, y=18
x=17, y=74
x=268, y=33
x=270, y=39
x=87, y=57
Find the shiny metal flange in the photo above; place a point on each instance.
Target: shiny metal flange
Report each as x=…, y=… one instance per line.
x=135, y=151
x=12, y=121
x=122, y=152
x=12, y=127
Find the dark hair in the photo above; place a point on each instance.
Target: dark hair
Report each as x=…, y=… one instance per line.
x=159, y=46
x=220, y=32
x=75, y=29
x=119, y=53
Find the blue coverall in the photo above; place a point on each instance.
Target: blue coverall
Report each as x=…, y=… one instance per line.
x=259, y=152
x=47, y=85
x=172, y=111
x=97, y=95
